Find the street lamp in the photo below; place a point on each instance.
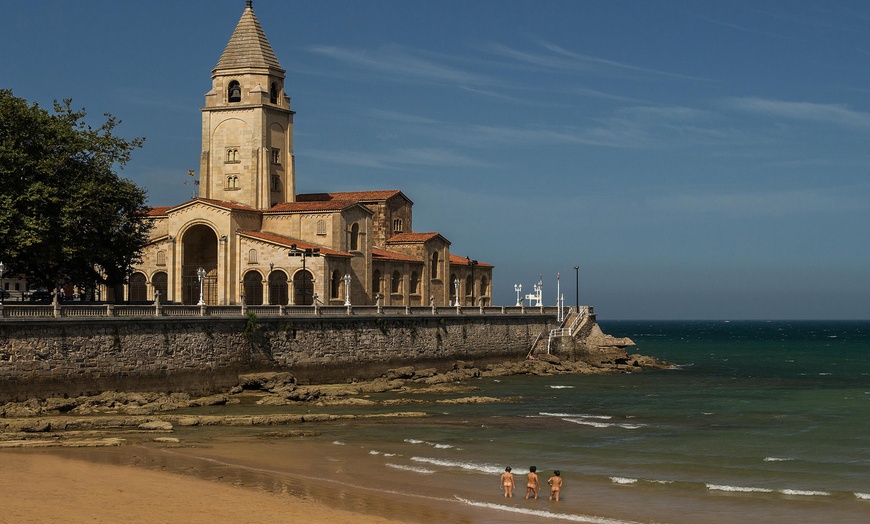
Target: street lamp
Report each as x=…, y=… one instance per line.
x=346, y=279
x=577, y=288
x=304, y=253
x=471, y=264
x=269, y=281
x=518, y=288
x=456, y=292
x=200, y=273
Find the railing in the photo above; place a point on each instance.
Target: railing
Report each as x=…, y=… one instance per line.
x=569, y=332
x=93, y=311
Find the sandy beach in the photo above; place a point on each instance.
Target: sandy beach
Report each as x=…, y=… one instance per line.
x=39, y=487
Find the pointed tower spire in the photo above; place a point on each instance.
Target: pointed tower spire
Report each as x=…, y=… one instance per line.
x=248, y=47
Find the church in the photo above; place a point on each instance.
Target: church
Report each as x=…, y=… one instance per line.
x=249, y=238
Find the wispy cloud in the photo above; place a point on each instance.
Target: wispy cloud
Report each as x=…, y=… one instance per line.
x=761, y=203
x=397, y=159
x=401, y=63
x=807, y=111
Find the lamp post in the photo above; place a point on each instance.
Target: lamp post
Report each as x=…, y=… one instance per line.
x=471, y=264
x=577, y=288
x=346, y=279
x=305, y=253
x=200, y=273
x=2, y=291
x=518, y=288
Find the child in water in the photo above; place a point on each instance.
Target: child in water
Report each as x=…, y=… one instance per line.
x=507, y=482
x=532, y=484
x=555, y=483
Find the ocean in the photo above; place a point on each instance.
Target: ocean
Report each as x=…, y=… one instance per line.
x=757, y=422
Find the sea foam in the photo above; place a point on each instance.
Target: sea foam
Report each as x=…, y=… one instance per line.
x=545, y=514
x=488, y=469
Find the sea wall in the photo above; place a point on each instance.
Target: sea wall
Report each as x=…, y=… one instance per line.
x=69, y=357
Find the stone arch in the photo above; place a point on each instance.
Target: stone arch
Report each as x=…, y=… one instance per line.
x=200, y=250
x=138, y=287
x=278, y=287
x=303, y=288
x=252, y=285
x=376, y=283
x=234, y=92
x=335, y=285
x=160, y=283
x=354, y=237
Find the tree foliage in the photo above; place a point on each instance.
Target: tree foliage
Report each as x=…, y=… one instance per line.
x=66, y=216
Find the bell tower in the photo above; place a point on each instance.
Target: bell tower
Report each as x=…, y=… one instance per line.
x=247, y=124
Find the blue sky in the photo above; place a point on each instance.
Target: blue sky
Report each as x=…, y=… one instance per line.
x=696, y=159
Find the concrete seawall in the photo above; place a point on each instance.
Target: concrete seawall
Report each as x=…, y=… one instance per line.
x=70, y=357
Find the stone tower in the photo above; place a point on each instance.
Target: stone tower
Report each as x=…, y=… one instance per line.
x=247, y=124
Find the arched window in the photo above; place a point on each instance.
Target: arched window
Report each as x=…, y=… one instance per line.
x=321, y=227
x=354, y=237
x=138, y=289
x=252, y=256
x=469, y=287
x=234, y=92
x=376, y=283
x=253, y=288
x=397, y=225
x=273, y=93
x=161, y=258
x=276, y=183
x=434, y=269
x=415, y=283
x=335, y=285
x=396, y=282
x=232, y=155
x=232, y=182
x=160, y=282
x=484, y=286
x=278, y=288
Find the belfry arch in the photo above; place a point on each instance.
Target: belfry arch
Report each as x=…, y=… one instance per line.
x=200, y=250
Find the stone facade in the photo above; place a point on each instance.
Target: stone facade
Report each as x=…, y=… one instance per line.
x=248, y=220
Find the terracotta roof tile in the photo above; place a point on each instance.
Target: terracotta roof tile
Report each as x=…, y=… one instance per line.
x=456, y=260
x=312, y=206
x=356, y=196
x=403, y=238
x=158, y=211
x=287, y=242
x=383, y=254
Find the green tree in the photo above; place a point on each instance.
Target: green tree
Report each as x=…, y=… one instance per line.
x=66, y=216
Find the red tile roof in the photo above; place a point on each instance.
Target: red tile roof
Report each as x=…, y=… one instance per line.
x=287, y=242
x=159, y=211
x=414, y=238
x=456, y=260
x=312, y=206
x=383, y=254
x=356, y=196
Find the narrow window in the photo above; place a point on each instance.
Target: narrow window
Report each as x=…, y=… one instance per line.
x=434, y=268
x=276, y=155
x=234, y=92
x=276, y=183
x=354, y=237
x=232, y=155
x=336, y=285
x=396, y=286
x=321, y=227
x=252, y=256
x=273, y=93
x=397, y=225
x=415, y=283
x=161, y=258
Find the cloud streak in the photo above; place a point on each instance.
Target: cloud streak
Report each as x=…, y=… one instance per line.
x=835, y=114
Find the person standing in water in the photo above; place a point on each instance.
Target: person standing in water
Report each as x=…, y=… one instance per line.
x=555, y=483
x=507, y=482
x=532, y=484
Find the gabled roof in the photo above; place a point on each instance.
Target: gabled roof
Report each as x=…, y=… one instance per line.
x=356, y=196
x=456, y=260
x=309, y=207
x=158, y=211
x=415, y=238
x=287, y=242
x=232, y=206
x=383, y=254
x=248, y=47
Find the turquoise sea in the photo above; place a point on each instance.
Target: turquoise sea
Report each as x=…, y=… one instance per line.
x=763, y=421
x=758, y=422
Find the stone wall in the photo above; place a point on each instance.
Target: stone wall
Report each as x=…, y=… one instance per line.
x=59, y=357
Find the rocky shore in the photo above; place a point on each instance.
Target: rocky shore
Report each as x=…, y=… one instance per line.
x=102, y=420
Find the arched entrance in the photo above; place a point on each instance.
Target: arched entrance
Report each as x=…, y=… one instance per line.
x=160, y=282
x=252, y=284
x=278, y=288
x=303, y=288
x=200, y=244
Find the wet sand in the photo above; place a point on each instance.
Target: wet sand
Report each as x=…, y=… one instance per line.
x=46, y=486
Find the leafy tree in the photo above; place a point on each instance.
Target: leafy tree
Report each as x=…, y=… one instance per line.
x=66, y=216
